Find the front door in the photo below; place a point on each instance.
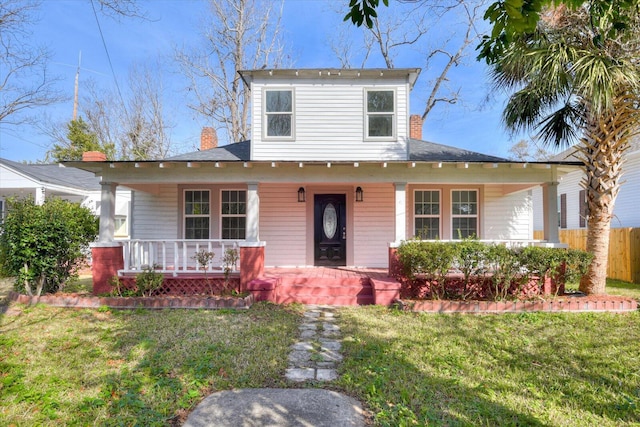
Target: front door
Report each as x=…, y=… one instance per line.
x=330, y=225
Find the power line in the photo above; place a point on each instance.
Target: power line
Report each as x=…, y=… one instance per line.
x=104, y=43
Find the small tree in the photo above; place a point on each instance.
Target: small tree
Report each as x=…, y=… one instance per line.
x=79, y=138
x=44, y=245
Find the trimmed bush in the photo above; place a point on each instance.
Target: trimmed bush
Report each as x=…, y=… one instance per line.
x=470, y=269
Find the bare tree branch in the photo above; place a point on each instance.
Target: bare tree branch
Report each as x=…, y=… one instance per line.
x=240, y=34
x=24, y=81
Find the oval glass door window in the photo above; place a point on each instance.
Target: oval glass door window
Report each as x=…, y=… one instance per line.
x=330, y=221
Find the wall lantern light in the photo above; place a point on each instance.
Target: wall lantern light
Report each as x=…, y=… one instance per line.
x=359, y=194
x=302, y=196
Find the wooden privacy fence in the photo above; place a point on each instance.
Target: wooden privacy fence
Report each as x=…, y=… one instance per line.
x=624, y=250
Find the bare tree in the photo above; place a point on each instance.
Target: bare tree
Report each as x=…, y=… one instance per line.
x=528, y=150
x=135, y=126
x=413, y=28
x=24, y=81
x=138, y=125
x=239, y=34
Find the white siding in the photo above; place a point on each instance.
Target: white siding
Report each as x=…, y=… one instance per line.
x=283, y=225
x=625, y=212
x=155, y=216
x=538, y=209
x=507, y=216
x=329, y=122
x=374, y=226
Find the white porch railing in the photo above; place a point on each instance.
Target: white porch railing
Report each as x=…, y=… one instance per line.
x=175, y=256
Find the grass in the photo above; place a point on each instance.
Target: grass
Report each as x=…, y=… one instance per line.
x=535, y=369
x=102, y=367
x=616, y=287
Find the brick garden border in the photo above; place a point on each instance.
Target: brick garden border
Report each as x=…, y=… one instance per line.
x=561, y=304
x=82, y=301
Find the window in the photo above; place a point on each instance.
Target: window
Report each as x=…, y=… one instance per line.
x=426, y=211
x=380, y=114
x=562, y=211
x=120, y=222
x=464, y=213
x=197, y=217
x=279, y=113
x=233, y=214
x=584, y=208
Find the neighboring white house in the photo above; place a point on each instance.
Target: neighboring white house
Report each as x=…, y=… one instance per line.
x=572, y=208
x=336, y=173
x=41, y=181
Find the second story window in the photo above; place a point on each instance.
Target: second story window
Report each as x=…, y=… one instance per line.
x=380, y=114
x=279, y=113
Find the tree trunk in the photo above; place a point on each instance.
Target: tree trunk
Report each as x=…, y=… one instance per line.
x=603, y=156
x=594, y=282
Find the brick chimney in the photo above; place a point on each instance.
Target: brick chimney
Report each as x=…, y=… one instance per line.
x=415, y=126
x=93, y=156
x=208, y=139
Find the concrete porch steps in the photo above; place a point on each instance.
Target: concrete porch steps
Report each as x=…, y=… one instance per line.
x=318, y=285
x=325, y=291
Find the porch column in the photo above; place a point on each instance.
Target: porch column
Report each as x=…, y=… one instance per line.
x=107, y=212
x=106, y=254
x=401, y=212
x=550, y=209
x=253, y=213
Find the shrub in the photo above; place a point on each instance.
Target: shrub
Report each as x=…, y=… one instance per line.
x=148, y=281
x=433, y=260
x=470, y=260
x=203, y=258
x=44, y=245
x=489, y=270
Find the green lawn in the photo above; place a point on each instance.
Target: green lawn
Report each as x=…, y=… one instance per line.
x=101, y=367
x=617, y=287
x=493, y=370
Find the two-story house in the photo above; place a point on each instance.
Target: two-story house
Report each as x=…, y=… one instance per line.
x=336, y=174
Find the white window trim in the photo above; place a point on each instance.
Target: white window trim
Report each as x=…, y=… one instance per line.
x=415, y=233
x=185, y=215
x=222, y=190
x=265, y=136
x=476, y=216
x=394, y=120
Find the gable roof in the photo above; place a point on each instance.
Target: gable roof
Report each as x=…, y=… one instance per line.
x=55, y=174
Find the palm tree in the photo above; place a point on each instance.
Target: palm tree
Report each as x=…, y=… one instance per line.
x=578, y=79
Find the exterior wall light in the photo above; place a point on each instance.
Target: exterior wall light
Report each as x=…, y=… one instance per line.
x=302, y=195
x=359, y=194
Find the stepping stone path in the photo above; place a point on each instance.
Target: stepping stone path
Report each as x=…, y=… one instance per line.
x=316, y=355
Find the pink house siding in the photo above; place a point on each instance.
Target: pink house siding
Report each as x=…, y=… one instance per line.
x=283, y=224
x=374, y=225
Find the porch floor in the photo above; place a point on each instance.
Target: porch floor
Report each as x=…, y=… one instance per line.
x=327, y=272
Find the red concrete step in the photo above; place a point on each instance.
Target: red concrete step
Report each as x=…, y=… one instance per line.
x=326, y=299
x=284, y=289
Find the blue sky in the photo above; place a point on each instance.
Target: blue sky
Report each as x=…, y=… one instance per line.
x=69, y=27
